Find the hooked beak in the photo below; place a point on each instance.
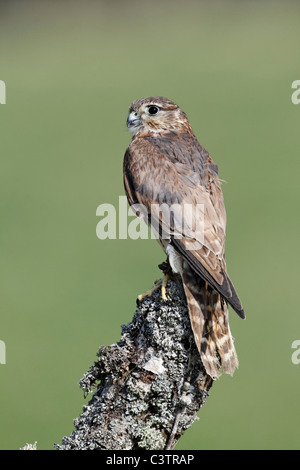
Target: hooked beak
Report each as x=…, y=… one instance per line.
x=133, y=120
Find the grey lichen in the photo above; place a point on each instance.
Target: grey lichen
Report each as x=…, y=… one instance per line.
x=148, y=437
x=30, y=446
x=147, y=388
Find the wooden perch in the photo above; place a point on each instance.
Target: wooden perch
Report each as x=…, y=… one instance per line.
x=149, y=386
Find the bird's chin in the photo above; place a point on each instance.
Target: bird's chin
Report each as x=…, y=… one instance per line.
x=135, y=128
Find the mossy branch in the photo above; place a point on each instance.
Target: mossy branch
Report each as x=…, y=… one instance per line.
x=148, y=387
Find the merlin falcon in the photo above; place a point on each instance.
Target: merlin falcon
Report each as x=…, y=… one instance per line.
x=165, y=167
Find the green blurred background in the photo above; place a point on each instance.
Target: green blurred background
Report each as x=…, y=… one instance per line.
x=71, y=70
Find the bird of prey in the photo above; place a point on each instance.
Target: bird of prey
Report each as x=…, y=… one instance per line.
x=165, y=166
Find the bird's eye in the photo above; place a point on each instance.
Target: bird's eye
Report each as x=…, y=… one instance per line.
x=153, y=110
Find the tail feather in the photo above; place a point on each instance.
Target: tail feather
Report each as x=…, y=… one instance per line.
x=209, y=320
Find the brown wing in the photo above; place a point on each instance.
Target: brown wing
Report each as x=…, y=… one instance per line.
x=175, y=170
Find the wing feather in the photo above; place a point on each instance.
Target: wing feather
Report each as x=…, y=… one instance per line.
x=177, y=172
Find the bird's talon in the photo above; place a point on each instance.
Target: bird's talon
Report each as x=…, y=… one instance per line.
x=160, y=283
x=164, y=295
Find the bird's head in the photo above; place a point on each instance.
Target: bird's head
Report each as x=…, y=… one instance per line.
x=155, y=114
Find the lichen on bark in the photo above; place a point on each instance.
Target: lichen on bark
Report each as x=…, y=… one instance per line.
x=148, y=387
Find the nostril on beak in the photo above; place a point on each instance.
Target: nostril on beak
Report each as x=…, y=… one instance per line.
x=133, y=119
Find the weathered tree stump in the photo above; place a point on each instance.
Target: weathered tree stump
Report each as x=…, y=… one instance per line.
x=148, y=387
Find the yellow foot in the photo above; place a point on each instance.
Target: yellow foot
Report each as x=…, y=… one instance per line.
x=161, y=283
x=165, y=279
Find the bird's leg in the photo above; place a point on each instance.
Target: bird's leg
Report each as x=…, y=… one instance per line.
x=160, y=284
x=164, y=286
x=149, y=292
x=167, y=270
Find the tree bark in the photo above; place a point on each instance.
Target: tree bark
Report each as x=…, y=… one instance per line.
x=147, y=388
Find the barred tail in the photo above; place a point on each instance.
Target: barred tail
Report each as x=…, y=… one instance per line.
x=209, y=320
